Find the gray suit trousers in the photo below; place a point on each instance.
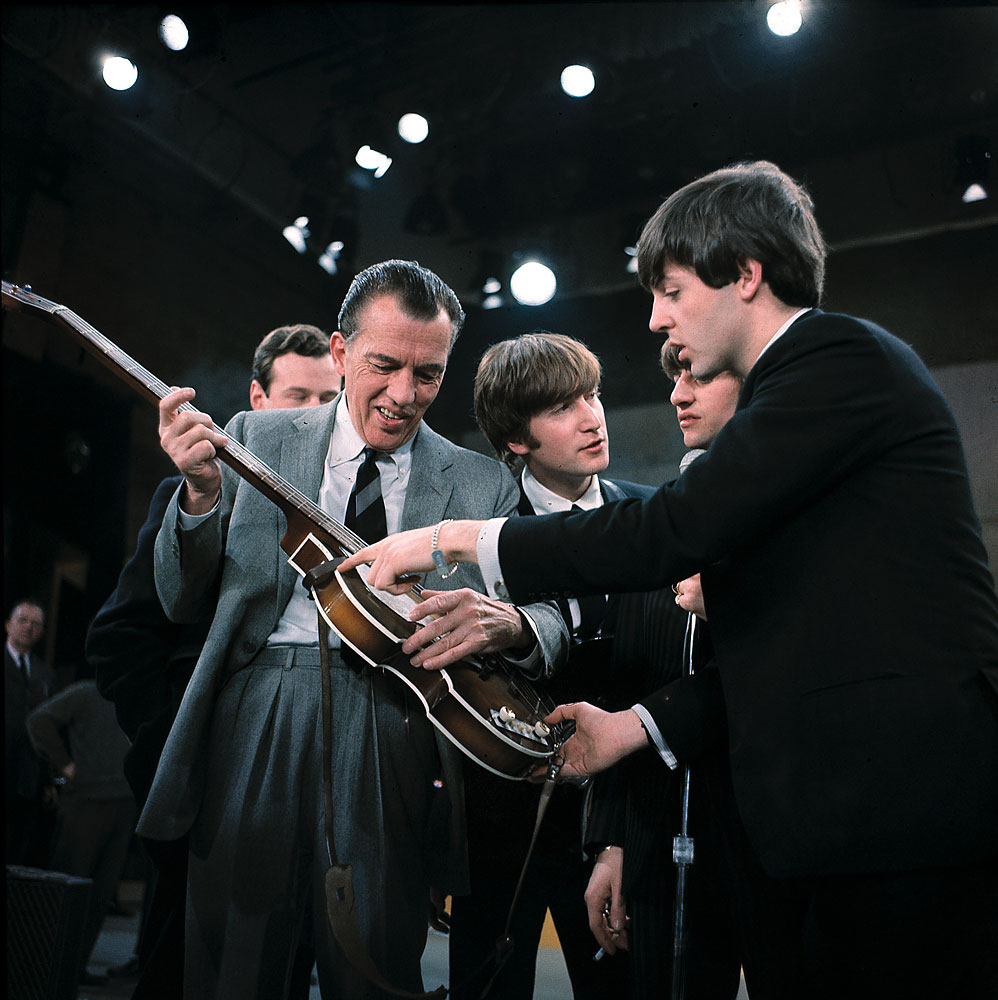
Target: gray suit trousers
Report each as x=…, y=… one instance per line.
x=258, y=857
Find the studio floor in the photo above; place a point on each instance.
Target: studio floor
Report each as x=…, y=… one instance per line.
x=118, y=936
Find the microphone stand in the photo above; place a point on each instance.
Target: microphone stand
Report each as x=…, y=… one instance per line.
x=682, y=850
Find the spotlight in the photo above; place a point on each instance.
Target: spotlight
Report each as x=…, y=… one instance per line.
x=413, y=128
x=329, y=257
x=173, y=33
x=784, y=18
x=533, y=283
x=973, y=158
x=297, y=233
x=119, y=73
x=371, y=159
x=577, y=81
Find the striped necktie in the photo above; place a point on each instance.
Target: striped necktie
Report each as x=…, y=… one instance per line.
x=366, y=506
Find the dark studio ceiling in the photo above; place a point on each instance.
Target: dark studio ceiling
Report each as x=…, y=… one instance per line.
x=879, y=107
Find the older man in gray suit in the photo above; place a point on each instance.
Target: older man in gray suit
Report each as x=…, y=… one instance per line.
x=242, y=767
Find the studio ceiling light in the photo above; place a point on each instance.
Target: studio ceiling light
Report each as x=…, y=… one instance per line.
x=413, y=128
x=577, y=81
x=784, y=18
x=173, y=33
x=119, y=73
x=533, y=283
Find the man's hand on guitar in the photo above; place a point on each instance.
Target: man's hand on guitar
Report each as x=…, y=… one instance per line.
x=189, y=439
x=468, y=623
x=600, y=738
x=394, y=559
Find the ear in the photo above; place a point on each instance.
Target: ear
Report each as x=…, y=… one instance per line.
x=518, y=448
x=749, y=278
x=338, y=352
x=258, y=398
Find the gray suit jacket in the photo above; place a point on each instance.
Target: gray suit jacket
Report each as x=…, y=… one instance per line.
x=231, y=566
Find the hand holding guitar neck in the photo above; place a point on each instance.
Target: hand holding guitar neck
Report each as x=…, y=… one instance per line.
x=190, y=440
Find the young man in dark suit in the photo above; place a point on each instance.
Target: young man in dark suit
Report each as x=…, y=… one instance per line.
x=537, y=400
x=852, y=611
x=637, y=805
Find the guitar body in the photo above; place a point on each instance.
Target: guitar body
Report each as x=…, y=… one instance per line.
x=482, y=707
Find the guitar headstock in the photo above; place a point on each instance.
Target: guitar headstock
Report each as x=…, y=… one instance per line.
x=15, y=296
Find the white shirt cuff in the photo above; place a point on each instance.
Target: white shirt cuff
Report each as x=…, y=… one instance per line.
x=656, y=737
x=488, y=558
x=187, y=521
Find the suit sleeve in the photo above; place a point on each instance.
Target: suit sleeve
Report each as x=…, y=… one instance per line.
x=606, y=819
x=824, y=406
x=552, y=631
x=188, y=562
x=131, y=638
x=46, y=722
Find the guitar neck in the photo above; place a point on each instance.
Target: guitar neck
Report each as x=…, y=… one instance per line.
x=242, y=461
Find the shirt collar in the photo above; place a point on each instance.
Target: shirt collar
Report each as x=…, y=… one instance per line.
x=346, y=445
x=546, y=501
x=783, y=329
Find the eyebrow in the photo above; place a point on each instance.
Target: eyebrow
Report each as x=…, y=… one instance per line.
x=427, y=366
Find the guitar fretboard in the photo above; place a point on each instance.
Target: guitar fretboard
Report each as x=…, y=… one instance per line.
x=239, y=458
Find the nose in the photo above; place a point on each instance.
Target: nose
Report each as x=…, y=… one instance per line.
x=589, y=413
x=682, y=392
x=402, y=387
x=661, y=314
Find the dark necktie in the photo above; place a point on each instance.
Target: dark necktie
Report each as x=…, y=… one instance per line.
x=592, y=610
x=365, y=516
x=366, y=506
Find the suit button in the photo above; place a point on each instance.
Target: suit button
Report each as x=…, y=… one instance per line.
x=248, y=646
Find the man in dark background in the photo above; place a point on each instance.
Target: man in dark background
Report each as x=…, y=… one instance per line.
x=29, y=793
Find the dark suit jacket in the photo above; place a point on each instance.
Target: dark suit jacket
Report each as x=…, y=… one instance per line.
x=141, y=659
x=501, y=813
x=634, y=804
x=852, y=611
x=24, y=771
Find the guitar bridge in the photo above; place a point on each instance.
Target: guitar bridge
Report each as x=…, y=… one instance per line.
x=505, y=718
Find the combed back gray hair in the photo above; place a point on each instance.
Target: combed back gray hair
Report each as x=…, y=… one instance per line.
x=419, y=292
